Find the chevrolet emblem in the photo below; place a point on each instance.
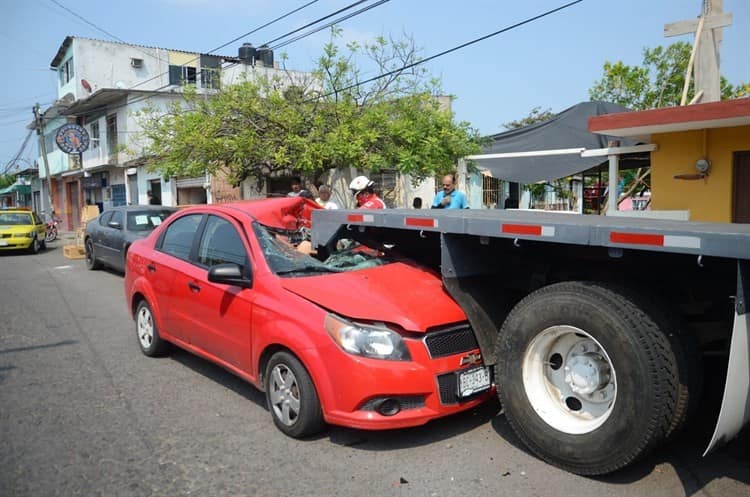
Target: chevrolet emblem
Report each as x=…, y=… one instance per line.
x=471, y=359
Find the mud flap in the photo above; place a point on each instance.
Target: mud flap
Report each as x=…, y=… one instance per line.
x=735, y=406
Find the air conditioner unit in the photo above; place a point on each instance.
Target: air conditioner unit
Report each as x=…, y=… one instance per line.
x=137, y=63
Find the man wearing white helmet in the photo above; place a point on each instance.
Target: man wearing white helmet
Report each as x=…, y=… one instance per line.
x=365, y=194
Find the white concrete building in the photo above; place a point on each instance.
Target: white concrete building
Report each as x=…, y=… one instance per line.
x=101, y=86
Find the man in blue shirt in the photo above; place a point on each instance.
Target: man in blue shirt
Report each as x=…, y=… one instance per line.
x=450, y=198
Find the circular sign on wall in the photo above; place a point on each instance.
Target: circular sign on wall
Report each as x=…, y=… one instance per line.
x=72, y=138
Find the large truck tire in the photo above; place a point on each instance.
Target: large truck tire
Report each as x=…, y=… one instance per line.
x=587, y=379
x=685, y=349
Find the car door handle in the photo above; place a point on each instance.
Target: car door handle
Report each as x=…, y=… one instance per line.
x=151, y=268
x=194, y=287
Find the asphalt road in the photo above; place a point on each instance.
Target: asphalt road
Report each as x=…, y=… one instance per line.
x=83, y=412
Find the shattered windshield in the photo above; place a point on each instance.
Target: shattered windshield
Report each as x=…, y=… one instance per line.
x=288, y=255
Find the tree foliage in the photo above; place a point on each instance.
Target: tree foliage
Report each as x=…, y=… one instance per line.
x=6, y=180
x=266, y=126
x=536, y=115
x=657, y=82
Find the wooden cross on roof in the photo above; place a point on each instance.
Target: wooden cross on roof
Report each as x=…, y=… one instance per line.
x=708, y=30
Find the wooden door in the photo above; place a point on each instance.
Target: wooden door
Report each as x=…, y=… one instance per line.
x=741, y=197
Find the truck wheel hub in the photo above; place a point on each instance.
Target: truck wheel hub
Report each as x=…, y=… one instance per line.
x=586, y=373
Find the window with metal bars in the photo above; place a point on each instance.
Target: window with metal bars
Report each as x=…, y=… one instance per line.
x=95, y=135
x=112, y=136
x=492, y=189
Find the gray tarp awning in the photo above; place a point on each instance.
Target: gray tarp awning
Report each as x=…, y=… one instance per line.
x=568, y=129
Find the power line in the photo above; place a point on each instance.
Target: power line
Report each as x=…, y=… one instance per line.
x=331, y=23
x=327, y=25
x=9, y=123
x=350, y=6
x=26, y=99
x=408, y=66
x=20, y=151
x=265, y=25
x=155, y=91
x=451, y=50
x=102, y=30
x=233, y=64
x=232, y=41
x=87, y=21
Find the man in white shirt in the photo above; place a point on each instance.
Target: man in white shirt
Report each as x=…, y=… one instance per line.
x=324, y=198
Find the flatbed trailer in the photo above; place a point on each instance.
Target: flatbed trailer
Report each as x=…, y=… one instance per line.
x=595, y=326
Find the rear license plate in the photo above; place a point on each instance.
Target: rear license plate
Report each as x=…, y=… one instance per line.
x=473, y=380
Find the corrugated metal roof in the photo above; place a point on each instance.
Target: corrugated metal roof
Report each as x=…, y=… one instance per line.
x=69, y=40
x=24, y=189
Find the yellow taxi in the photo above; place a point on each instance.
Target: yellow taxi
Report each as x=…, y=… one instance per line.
x=21, y=229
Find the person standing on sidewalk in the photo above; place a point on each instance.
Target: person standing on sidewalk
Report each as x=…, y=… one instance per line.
x=449, y=197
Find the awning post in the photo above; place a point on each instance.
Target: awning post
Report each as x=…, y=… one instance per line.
x=614, y=173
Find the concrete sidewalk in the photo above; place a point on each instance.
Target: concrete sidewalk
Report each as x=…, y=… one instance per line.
x=66, y=236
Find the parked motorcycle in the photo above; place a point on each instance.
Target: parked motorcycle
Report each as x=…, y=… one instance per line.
x=52, y=229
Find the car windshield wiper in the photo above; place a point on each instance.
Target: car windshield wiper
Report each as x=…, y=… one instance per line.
x=309, y=268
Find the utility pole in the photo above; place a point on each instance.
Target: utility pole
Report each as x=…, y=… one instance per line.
x=707, y=46
x=43, y=150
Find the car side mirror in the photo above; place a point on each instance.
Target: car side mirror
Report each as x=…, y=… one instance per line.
x=114, y=224
x=229, y=274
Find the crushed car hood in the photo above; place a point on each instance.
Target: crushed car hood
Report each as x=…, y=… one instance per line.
x=399, y=293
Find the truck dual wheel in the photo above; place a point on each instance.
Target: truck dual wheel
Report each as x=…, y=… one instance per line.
x=587, y=379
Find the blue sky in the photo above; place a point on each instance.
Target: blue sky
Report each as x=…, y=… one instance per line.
x=550, y=63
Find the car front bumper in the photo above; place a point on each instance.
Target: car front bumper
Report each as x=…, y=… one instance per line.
x=15, y=242
x=376, y=394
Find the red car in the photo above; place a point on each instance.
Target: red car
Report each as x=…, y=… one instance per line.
x=353, y=336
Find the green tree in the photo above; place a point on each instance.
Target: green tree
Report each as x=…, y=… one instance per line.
x=275, y=125
x=536, y=115
x=657, y=82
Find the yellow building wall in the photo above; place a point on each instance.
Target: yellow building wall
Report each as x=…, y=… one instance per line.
x=708, y=199
x=184, y=59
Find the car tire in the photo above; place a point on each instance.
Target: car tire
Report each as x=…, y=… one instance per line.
x=125, y=258
x=91, y=262
x=291, y=396
x=34, y=247
x=147, y=332
x=588, y=381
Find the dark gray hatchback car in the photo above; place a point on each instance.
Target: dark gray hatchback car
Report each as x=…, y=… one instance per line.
x=109, y=235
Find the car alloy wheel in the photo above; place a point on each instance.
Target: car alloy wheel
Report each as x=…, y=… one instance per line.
x=91, y=262
x=291, y=396
x=285, y=400
x=145, y=326
x=147, y=332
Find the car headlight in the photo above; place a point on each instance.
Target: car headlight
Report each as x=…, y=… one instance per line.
x=30, y=234
x=373, y=341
